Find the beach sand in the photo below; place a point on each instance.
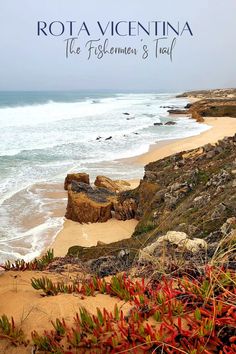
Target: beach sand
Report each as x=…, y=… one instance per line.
x=88, y=235
x=31, y=311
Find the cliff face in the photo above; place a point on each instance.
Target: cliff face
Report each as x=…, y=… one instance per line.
x=192, y=192
x=212, y=103
x=196, y=190
x=213, y=108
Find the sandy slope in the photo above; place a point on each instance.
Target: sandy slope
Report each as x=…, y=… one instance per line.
x=31, y=311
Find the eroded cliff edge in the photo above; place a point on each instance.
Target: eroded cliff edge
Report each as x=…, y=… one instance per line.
x=192, y=191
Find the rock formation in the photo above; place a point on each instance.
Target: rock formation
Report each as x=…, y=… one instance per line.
x=170, y=122
x=87, y=204
x=212, y=104
x=113, y=186
x=125, y=209
x=172, y=244
x=95, y=204
x=192, y=192
x=78, y=177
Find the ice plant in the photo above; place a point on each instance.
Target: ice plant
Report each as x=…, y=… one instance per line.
x=173, y=316
x=8, y=330
x=36, y=264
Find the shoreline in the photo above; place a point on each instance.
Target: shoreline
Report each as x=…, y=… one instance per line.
x=72, y=232
x=220, y=127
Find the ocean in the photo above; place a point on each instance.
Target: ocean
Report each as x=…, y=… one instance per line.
x=45, y=135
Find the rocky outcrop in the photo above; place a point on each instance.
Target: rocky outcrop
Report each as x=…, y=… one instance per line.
x=192, y=192
x=78, y=177
x=126, y=209
x=214, y=108
x=109, y=265
x=87, y=204
x=96, y=204
x=173, y=244
x=194, y=187
x=212, y=103
x=113, y=186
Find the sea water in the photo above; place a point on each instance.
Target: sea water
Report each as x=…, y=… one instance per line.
x=45, y=135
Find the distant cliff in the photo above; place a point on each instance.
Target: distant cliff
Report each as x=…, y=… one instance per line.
x=212, y=103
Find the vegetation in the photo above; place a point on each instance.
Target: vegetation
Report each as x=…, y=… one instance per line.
x=173, y=315
x=9, y=331
x=36, y=264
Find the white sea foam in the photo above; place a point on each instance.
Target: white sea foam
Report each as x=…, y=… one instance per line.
x=42, y=142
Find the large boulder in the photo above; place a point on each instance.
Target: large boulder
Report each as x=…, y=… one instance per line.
x=78, y=177
x=113, y=186
x=87, y=204
x=173, y=242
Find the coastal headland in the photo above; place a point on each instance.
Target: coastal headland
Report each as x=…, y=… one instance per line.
x=178, y=221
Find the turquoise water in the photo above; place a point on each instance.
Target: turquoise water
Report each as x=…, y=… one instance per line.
x=46, y=134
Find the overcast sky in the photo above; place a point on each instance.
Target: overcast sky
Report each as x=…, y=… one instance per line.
x=205, y=60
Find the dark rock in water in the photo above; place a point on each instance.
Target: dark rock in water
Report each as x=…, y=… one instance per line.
x=177, y=111
x=188, y=105
x=126, y=114
x=98, y=138
x=170, y=107
x=136, y=133
x=109, y=138
x=78, y=177
x=131, y=118
x=157, y=123
x=170, y=122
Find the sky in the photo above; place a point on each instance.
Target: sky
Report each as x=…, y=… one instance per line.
x=202, y=61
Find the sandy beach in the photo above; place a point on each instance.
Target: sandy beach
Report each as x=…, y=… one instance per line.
x=113, y=230
x=29, y=308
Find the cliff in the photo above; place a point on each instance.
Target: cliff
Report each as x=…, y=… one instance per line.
x=212, y=103
x=192, y=192
x=216, y=93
